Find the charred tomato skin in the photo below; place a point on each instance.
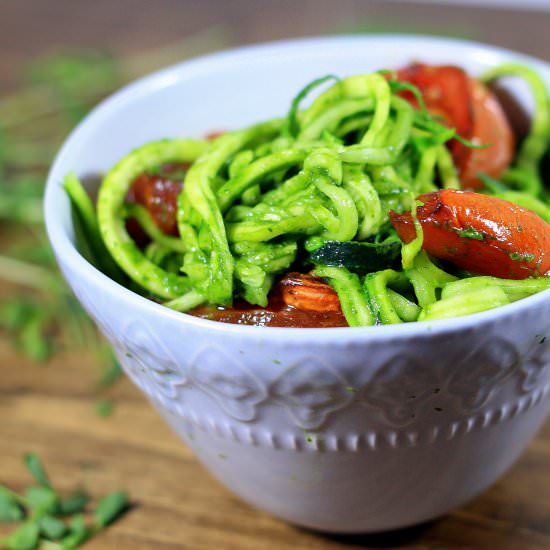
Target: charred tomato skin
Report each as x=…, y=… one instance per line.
x=471, y=108
x=298, y=300
x=446, y=92
x=481, y=234
x=158, y=192
x=491, y=127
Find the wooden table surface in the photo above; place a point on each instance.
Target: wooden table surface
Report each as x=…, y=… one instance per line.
x=50, y=409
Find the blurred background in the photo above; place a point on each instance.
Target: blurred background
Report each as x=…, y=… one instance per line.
x=61, y=393
x=32, y=28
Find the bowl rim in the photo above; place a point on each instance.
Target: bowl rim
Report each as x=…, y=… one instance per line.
x=65, y=248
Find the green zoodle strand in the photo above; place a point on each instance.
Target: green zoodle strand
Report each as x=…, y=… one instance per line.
x=261, y=201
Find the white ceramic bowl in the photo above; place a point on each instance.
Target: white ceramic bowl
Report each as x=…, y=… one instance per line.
x=345, y=430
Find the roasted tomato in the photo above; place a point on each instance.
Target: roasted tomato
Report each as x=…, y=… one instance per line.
x=479, y=233
x=159, y=193
x=298, y=300
x=309, y=293
x=473, y=110
x=490, y=127
x=446, y=92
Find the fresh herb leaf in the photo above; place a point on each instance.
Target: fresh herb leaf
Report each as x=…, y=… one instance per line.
x=9, y=508
x=110, y=508
x=470, y=233
x=519, y=257
x=45, y=511
x=51, y=527
x=25, y=537
x=36, y=468
x=78, y=533
x=41, y=500
x=104, y=408
x=472, y=144
x=73, y=504
x=398, y=86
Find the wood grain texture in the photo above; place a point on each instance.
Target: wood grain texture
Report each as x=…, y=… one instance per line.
x=50, y=409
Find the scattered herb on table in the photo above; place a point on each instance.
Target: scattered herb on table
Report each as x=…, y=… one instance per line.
x=49, y=520
x=104, y=408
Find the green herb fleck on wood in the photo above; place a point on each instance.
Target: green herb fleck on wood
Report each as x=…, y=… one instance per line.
x=49, y=520
x=104, y=408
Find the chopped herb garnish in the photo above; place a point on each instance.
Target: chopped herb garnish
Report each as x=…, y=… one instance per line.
x=35, y=467
x=40, y=499
x=51, y=527
x=9, y=507
x=104, y=408
x=110, y=508
x=524, y=257
x=50, y=520
x=25, y=537
x=73, y=504
x=471, y=233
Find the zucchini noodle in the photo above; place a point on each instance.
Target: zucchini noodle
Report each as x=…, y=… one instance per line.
x=260, y=201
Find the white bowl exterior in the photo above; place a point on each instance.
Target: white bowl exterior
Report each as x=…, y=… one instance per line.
x=342, y=430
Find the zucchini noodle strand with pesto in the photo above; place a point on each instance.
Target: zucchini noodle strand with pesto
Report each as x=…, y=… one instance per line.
x=395, y=196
